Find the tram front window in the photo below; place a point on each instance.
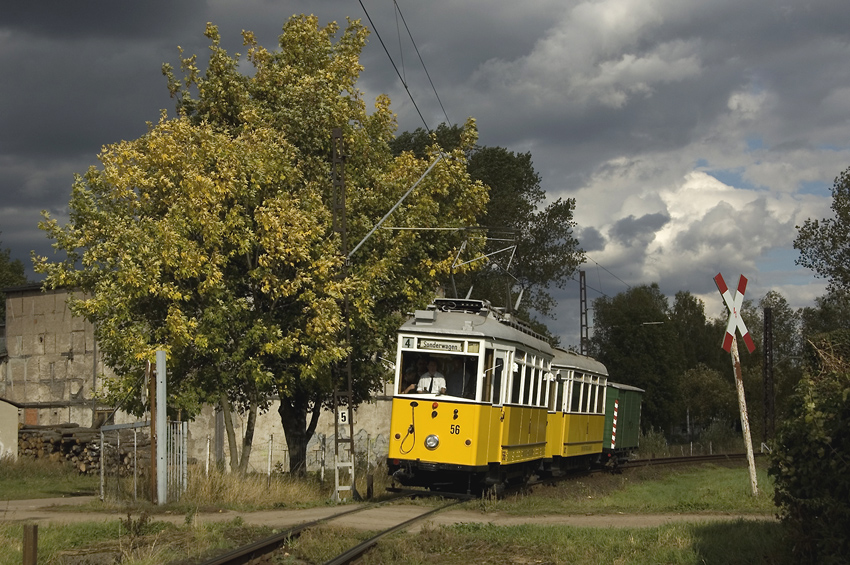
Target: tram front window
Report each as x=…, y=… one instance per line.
x=460, y=376
x=459, y=372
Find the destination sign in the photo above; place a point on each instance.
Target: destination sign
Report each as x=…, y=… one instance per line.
x=436, y=345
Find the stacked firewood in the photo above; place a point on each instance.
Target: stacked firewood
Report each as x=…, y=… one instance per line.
x=80, y=447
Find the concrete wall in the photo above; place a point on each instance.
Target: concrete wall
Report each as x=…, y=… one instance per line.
x=52, y=357
x=371, y=432
x=8, y=430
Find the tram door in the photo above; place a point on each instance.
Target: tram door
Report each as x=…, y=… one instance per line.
x=496, y=363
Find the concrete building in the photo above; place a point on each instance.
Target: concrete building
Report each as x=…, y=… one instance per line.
x=51, y=370
x=50, y=366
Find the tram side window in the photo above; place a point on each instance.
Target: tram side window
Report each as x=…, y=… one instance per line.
x=553, y=395
x=600, y=399
x=589, y=396
x=559, y=399
x=539, y=386
x=516, y=380
x=575, y=406
x=534, y=375
x=525, y=374
x=498, y=369
x=487, y=377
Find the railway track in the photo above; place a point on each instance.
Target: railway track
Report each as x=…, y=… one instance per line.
x=262, y=548
x=686, y=459
x=257, y=550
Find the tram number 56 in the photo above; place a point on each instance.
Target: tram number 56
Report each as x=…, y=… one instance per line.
x=454, y=429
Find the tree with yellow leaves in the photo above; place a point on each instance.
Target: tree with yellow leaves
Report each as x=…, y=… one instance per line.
x=212, y=235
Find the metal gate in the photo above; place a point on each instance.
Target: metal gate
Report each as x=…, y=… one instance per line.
x=136, y=451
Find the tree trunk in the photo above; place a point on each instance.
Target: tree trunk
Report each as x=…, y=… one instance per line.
x=248, y=440
x=293, y=417
x=231, y=434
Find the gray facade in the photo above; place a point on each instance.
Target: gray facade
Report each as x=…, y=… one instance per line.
x=51, y=366
x=51, y=371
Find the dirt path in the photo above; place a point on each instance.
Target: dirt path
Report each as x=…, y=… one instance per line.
x=56, y=510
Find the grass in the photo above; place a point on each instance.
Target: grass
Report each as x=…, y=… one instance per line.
x=706, y=488
x=28, y=478
x=138, y=541
x=743, y=542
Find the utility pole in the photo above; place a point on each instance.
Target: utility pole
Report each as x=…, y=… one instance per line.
x=584, y=345
x=341, y=416
x=769, y=395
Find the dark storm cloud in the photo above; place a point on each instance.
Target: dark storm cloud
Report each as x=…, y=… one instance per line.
x=590, y=239
x=99, y=18
x=638, y=232
x=617, y=100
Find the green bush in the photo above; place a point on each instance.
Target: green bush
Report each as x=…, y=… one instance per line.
x=652, y=444
x=810, y=462
x=722, y=436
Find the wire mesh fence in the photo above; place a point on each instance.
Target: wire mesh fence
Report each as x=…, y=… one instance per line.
x=271, y=454
x=125, y=461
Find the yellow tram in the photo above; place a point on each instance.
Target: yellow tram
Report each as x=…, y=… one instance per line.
x=576, y=412
x=477, y=402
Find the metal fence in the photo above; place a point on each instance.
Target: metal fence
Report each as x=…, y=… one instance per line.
x=125, y=461
x=177, y=461
x=271, y=455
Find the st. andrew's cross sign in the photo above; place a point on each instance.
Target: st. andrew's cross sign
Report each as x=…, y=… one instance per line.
x=734, y=302
x=736, y=323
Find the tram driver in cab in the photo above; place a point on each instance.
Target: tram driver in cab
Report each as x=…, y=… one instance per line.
x=432, y=381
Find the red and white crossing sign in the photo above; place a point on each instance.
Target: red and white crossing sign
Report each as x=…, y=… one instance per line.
x=733, y=302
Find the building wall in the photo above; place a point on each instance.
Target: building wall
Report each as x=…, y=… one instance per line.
x=8, y=431
x=52, y=357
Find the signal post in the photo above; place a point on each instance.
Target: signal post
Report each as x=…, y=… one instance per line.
x=730, y=345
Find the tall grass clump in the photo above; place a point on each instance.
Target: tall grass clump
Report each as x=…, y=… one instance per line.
x=722, y=437
x=652, y=444
x=251, y=491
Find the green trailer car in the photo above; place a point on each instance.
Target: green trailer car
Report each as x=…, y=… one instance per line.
x=622, y=422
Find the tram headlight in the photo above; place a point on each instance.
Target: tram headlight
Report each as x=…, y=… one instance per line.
x=432, y=441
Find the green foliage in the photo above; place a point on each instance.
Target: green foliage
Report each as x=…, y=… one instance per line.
x=830, y=312
x=825, y=244
x=652, y=444
x=547, y=252
x=722, y=437
x=212, y=236
x=640, y=351
x=11, y=274
x=708, y=396
x=811, y=458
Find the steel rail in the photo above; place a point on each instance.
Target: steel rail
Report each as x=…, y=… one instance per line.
x=246, y=553
x=358, y=550
x=683, y=459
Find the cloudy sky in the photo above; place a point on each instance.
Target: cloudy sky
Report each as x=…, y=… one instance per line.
x=693, y=134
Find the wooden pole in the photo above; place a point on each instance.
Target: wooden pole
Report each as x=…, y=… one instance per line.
x=30, y=544
x=745, y=422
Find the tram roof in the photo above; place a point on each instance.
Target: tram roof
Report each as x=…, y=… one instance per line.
x=621, y=386
x=476, y=318
x=571, y=360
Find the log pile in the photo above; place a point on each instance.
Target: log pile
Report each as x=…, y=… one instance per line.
x=80, y=447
